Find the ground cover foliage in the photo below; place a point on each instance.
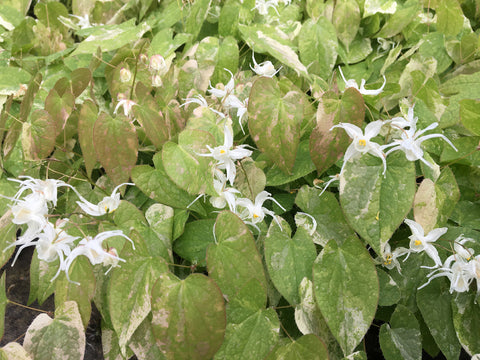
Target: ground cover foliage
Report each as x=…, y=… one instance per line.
x=290, y=172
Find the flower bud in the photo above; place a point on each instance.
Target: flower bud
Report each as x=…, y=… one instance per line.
x=143, y=58
x=156, y=81
x=157, y=63
x=125, y=75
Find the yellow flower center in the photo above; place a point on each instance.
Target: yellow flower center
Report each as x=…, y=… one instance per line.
x=255, y=216
x=222, y=151
x=362, y=142
x=418, y=242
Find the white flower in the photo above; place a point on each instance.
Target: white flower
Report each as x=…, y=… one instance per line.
x=255, y=212
x=411, y=140
x=158, y=64
x=263, y=5
x=332, y=179
x=127, y=105
x=83, y=21
x=390, y=259
x=420, y=242
x=93, y=250
x=225, y=155
x=361, y=142
x=107, y=205
x=265, y=68
x=403, y=122
x=32, y=209
x=352, y=83
x=226, y=196
x=200, y=100
x=302, y=220
x=46, y=188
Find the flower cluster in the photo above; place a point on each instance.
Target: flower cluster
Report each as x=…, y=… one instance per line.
x=52, y=240
x=229, y=101
x=226, y=155
x=409, y=141
x=461, y=268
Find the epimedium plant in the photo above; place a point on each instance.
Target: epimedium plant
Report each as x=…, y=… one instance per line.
x=213, y=177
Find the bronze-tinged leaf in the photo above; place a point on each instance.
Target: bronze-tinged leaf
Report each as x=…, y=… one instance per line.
x=326, y=146
x=86, y=123
x=275, y=121
x=154, y=124
x=27, y=102
x=80, y=80
x=59, y=108
x=116, y=146
x=38, y=135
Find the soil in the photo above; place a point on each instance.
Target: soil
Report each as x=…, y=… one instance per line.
x=18, y=318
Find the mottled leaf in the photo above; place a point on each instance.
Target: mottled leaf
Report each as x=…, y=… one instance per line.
x=86, y=122
x=116, y=146
x=59, y=338
x=185, y=167
x=434, y=302
x=375, y=204
x=274, y=121
x=193, y=243
x=305, y=347
x=326, y=146
x=38, y=135
x=253, y=338
x=346, y=19
x=180, y=329
x=234, y=259
x=470, y=115
x=346, y=290
x=288, y=259
x=466, y=319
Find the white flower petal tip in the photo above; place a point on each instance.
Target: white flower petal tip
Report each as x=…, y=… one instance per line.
x=420, y=242
x=107, y=205
x=265, y=68
x=351, y=83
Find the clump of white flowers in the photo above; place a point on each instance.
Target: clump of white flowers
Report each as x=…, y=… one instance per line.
x=31, y=207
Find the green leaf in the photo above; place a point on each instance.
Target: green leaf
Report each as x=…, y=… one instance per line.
x=38, y=135
x=3, y=304
x=185, y=167
x=253, y=338
x=228, y=19
x=234, y=259
x=248, y=300
x=401, y=339
x=274, y=121
x=470, y=115
x=374, y=204
x=389, y=291
x=331, y=223
x=116, y=146
x=161, y=220
x=111, y=37
x=449, y=17
x=59, y=108
x=81, y=271
x=467, y=213
x=326, y=146
x=41, y=273
x=463, y=86
x=156, y=184
x=346, y=290
x=288, y=260
x=305, y=347
x=188, y=317
x=9, y=234
x=346, y=19
x=265, y=39
x=434, y=302
x=45, y=336
x=196, y=16
x=227, y=58
x=193, y=243
x=302, y=167
x=400, y=19
x=11, y=78
x=318, y=45
x=466, y=319
x=163, y=44
x=129, y=292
